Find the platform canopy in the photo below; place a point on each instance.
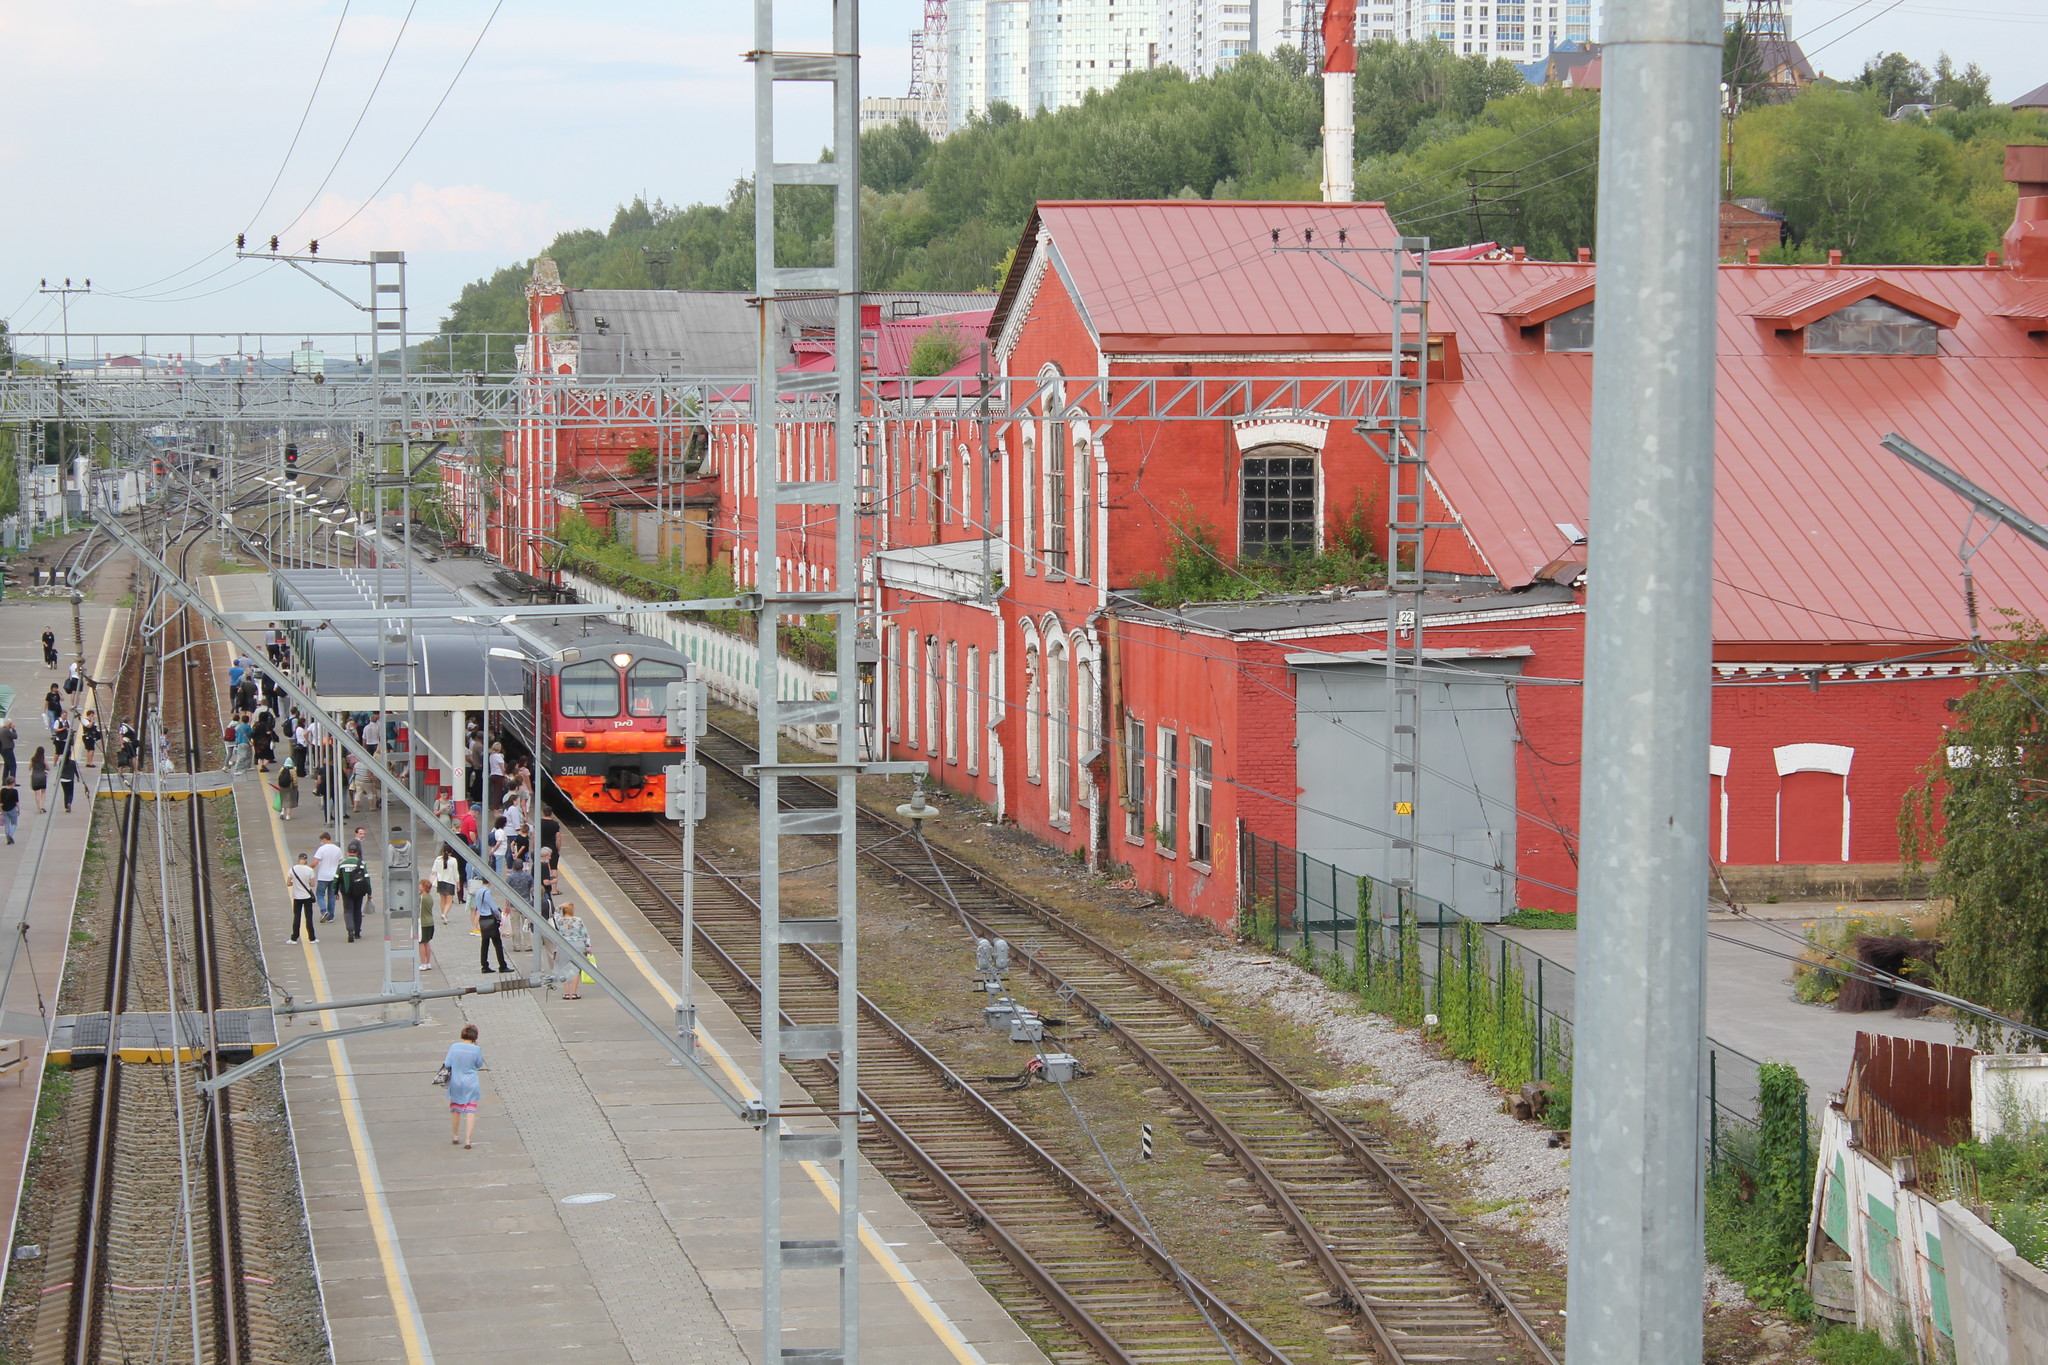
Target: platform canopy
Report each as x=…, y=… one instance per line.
x=456, y=670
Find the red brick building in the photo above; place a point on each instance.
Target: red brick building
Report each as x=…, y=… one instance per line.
x=1147, y=737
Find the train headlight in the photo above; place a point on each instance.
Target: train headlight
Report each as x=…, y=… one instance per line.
x=621, y=659
x=574, y=742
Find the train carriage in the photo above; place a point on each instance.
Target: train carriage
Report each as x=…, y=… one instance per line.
x=598, y=704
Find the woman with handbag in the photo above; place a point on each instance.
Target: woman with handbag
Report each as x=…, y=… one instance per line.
x=287, y=792
x=570, y=926
x=465, y=1087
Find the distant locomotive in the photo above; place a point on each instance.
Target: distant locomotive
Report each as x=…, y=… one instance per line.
x=599, y=702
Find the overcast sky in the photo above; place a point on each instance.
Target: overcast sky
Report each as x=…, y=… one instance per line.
x=141, y=135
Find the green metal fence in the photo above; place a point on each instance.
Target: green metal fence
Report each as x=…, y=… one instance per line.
x=1496, y=1001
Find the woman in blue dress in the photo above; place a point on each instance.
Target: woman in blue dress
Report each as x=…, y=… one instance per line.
x=465, y=1088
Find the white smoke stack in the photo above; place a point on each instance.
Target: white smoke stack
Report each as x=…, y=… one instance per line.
x=1340, y=67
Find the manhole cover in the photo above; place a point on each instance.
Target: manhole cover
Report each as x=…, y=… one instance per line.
x=588, y=1198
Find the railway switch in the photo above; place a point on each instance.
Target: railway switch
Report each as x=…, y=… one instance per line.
x=999, y=1015
x=1026, y=1027
x=1061, y=1067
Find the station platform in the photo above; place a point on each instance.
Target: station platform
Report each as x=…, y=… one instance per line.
x=611, y=1206
x=39, y=872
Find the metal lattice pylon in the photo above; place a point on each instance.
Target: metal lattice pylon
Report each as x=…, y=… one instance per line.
x=824, y=484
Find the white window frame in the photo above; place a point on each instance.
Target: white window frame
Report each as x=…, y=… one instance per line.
x=1059, y=734
x=971, y=703
x=892, y=649
x=952, y=753
x=1032, y=736
x=931, y=693
x=1201, y=801
x=1136, y=764
x=1166, y=784
x=913, y=644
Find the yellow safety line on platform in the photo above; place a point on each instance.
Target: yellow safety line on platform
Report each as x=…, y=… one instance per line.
x=412, y=1327
x=905, y=1280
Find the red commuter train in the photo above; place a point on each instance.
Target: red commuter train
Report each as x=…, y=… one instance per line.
x=600, y=706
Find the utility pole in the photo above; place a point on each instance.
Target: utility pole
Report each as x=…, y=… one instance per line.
x=1636, y=1258
x=63, y=293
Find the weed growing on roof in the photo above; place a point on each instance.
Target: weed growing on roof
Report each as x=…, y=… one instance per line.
x=1197, y=569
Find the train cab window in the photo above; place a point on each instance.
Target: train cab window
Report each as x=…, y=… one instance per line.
x=590, y=689
x=647, y=686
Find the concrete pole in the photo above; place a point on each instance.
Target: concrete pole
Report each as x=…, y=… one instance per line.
x=1636, y=1257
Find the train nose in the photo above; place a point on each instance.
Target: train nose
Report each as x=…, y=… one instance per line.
x=625, y=779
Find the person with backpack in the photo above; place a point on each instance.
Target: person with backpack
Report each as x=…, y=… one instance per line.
x=299, y=881
x=10, y=806
x=287, y=792
x=90, y=735
x=49, y=649
x=67, y=778
x=73, y=685
x=352, y=883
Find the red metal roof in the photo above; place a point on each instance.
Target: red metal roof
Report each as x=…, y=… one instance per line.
x=1547, y=300
x=2029, y=307
x=1185, y=275
x=1822, y=536
x=1809, y=302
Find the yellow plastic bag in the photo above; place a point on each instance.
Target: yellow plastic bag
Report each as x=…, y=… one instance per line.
x=589, y=957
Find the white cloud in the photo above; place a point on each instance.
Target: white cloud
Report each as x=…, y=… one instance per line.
x=438, y=218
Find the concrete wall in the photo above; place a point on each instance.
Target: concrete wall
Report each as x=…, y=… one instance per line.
x=1935, y=1268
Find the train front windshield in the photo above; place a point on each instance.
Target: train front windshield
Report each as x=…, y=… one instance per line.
x=590, y=690
x=647, y=686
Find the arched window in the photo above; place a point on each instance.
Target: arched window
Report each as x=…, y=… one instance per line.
x=931, y=693
x=1032, y=718
x=1277, y=503
x=952, y=701
x=1059, y=735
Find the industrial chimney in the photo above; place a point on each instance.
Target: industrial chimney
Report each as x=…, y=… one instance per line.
x=1340, y=68
x=2026, y=241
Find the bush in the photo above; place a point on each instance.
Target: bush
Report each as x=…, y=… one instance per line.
x=1197, y=570
x=1857, y=1346
x=1760, y=1195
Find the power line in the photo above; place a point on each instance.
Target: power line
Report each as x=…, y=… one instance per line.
x=445, y=93
x=361, y=114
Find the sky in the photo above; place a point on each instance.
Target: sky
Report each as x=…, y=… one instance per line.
x=141, y=135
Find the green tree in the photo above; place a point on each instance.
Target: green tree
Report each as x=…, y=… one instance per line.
x=1895, y=79
x=1988, y=808
x=1530, y=160
x=1968, y=89
x=938, y=349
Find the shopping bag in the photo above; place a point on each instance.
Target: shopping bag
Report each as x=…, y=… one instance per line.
x=276, y=800
x=591, y=958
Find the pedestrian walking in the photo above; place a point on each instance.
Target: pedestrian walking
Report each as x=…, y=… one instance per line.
x=8, y=736
x=73, y=685
x=426, y=929
x=570, y=926
x=326, y=858
x=501, y=843
x=489, y=922
x=67, y=778
x=446, y=876
x=126, y=745
x=49, y=649
x=520, y=882
x=287, y=794
x=320, y=792
x=243, y=743
x=300, y=882
x=465, y=1087
x=10, y=806
x=38, y=776
x=352, y=881
x=89, y=734
x=53, y=708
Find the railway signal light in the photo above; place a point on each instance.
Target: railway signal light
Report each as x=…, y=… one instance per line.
x=291, y=456
x=684, y=793
x=686, y=704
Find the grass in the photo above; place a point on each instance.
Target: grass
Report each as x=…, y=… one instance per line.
x=1857, y=1346
x=1526, y=918
x=49, y=1103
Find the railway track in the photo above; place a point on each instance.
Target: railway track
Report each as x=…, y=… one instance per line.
x=1083, y=1277
x=156, y=1263
x=1416, y=1287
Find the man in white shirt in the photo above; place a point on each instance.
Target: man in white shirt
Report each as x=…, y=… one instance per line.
x=326, y=858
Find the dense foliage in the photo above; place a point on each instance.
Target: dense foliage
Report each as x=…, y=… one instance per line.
x=1458, y=147
x=1991, y=805
x=1760, y=1192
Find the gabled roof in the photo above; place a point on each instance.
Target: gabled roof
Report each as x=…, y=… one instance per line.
x=2030, y=308
x=2037, y=98
x=1204, y=276
x=1803, y=304
x=1550, y=298
x=1821, y=537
